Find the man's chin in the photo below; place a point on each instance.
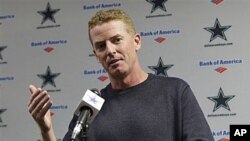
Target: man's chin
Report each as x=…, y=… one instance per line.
x=117, y=73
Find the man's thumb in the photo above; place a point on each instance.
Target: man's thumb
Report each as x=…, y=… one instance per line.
x=32, y=89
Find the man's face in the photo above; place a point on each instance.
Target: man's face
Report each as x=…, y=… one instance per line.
x=114, y=47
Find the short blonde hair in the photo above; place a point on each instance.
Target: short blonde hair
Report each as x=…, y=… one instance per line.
x=104, y=16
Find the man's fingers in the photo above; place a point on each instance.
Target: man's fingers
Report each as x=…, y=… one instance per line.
x=40, y=101
x=40, y=105
x=46, y=108
x=32, y=89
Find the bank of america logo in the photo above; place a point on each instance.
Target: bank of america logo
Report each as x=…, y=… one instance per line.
x=103, y=78
x=220, y=69
x=217, y=2
x=224, y=139
x=49, y=49
x=160, y=39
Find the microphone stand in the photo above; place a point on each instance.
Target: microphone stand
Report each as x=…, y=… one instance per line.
x=85, y=126
x=85, y=132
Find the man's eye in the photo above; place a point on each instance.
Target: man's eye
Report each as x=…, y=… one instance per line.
x=100, y=47
x=117, y=40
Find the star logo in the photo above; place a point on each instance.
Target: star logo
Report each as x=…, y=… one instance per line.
x=160, y=68
x=93, y=100
x=1, y=111
x=48, y=77
x=1, y=49
x=157, y=4
x=217, y=31
x=48, y=14
x=221, y=100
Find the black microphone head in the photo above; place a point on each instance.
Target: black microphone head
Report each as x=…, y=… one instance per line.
x=96, y=91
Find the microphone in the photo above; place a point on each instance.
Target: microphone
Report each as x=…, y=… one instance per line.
x=89, y=106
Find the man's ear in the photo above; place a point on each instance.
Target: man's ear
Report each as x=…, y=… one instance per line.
x=137, y=40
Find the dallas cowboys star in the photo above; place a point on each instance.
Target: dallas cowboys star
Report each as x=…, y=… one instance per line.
x=221, y=100
x=48, y=77
x=48, y=14
x=157, y=4
x=160, y=68
x=217, y=31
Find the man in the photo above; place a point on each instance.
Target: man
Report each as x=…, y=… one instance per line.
x=138, y=106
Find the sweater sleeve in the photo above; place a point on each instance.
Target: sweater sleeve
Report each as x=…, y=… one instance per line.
x=195, y=126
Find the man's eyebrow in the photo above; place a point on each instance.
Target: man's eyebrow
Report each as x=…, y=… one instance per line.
x=115, y=36
x=98, y=42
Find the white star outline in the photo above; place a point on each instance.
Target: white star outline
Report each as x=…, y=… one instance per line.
x=93, y=100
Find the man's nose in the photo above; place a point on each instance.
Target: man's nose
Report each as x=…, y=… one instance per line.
x=111, y=48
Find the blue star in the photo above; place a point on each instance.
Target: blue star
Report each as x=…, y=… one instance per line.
x=93, y=100
x=48, y=78
x=217, y=31
x=160, y=68
x=48, y=14
x=1, y=111
x=1, y=49
x=157, y=4
x=221, y=100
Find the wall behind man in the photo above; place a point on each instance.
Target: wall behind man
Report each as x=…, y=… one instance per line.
x=204, y=42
